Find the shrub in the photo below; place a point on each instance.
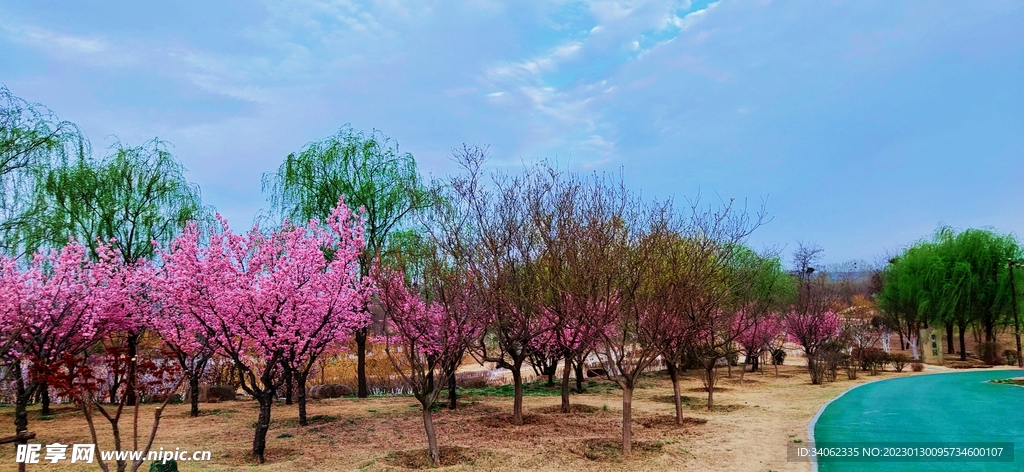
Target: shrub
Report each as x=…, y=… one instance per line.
x=871, y=359
x=851, y=368
x=168, y=466
x=778, y=356
x=899, y=361
x=220, y=393
x=319, y=392
x=916, y=366
x=733, y=357
x=480, y=379
x=1010, y=356
x=989, y=353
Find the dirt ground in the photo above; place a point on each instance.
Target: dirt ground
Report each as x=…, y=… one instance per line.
x=749, y=429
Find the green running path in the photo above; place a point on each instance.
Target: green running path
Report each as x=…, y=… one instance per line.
x=953, y=407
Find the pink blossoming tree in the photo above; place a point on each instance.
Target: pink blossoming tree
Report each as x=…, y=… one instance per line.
x=261, y=298
x=183, y=335
x=52, y=309
x=812, y=331
x=427, y=339
x=759, y=336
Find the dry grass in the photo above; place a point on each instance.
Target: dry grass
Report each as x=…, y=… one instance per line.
x=748, y=431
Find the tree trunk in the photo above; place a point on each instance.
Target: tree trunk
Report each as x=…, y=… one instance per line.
x=259, y=442
x=193, y=392
x=517, y=401
x=428, y=425
x=116, y=431
x=44, y=393
x=755, y=364
x=709, y=382
x=963, y=342
x=133, y=352
x=627, y=421
x=453, y=396
x=949, y=339
x=566, y=371
x=361, y=391
x=300, y=379
x=578, y=366
x=289, y=386
x=673, y=374
x=23, y=395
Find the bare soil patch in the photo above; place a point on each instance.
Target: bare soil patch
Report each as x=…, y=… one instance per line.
x=610, y=449
x=717, y=407
x=504, y=420
x=211, y=412
x=702, y=389
x=420, y=458
x=671, y=399
x=670, y=421
x=573, y=409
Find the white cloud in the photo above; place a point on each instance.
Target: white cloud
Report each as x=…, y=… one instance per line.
x=83, y=49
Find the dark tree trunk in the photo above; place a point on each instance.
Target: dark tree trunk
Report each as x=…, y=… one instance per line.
x=361, y=391
x=44, y=397
x=627, y=421
x=963, y=342
x=193, y=392
x=549, y=371
x=517, y=401
x=453, y=395
x=578, y=366
x=133, y=351
x=112, y=390
x=300, y=379
x=673, y=373
x=754, y=364
x=259, y=442
x=566, y=372
x=23, y=394
x=289, y=386
x=428, y=425
x=709, y=378
x=949, y=339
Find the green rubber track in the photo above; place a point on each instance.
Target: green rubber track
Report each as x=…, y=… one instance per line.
x=953, y=407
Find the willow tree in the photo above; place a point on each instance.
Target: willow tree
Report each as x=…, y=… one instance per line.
x=31, y=136
x=976, y=284
x=762, y=288
x=910, y=286
x=957, y=279
x=126, y=200
x=375, y=178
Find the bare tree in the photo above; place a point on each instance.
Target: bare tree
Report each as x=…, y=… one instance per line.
x=502, y=251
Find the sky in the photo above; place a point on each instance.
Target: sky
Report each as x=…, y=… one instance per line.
x=862, y=125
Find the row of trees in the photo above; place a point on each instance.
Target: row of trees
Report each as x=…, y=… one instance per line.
x=956, y=280
x=537, y=268
x=119, y=282
x=546, y=268
x=132, y=213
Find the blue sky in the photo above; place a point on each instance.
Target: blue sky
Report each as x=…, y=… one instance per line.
x=864, y=124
